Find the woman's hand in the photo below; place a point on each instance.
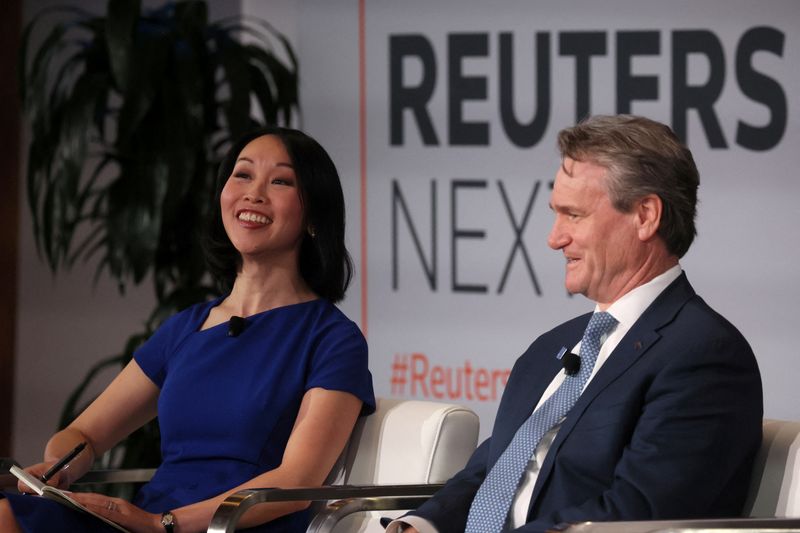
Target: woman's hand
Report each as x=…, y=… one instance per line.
x=59, y=479
x=120, y=512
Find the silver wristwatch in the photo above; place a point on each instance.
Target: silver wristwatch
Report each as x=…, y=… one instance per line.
x=168, y=521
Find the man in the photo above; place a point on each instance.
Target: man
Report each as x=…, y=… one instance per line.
x=662, y=419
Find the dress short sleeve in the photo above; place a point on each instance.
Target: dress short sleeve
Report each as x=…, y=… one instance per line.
x=340, y=361
x=154, y=356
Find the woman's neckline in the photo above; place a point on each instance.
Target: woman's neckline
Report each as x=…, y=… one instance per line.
x=215, y=303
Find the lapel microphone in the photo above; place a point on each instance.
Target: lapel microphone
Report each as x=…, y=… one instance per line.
x=235, y=326
x=571, y=362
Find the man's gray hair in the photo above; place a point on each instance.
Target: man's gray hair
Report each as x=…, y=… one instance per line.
x=642, y=157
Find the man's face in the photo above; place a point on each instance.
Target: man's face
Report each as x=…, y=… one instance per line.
x=600, y=244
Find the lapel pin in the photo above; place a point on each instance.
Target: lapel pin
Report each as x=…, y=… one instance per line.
x=637, y=345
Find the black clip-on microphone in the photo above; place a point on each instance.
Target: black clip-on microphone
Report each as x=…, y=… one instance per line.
x=235, y=326
x=571, y=362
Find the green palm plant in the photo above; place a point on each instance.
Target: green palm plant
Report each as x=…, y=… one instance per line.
x=129, y=114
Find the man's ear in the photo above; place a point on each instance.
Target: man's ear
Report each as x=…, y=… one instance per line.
x=648, y=216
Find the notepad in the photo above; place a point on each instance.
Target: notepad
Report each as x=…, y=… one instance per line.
x=60, y=496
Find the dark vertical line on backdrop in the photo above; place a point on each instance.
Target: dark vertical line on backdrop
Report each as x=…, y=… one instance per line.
x=10, y=30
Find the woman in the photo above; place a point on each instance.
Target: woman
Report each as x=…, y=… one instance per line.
x=269, y=401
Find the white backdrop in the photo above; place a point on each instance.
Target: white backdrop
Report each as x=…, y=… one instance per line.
x=742, y=262
x=443, y=320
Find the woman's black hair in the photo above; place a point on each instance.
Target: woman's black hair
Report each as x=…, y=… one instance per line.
x=324, y=262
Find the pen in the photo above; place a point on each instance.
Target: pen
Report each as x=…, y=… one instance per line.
x=63, y=462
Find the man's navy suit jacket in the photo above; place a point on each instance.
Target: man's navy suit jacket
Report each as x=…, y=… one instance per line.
x=667, y=428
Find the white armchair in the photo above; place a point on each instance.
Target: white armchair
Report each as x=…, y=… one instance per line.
x=395, y=459
x=773, y=503
x=775, y=485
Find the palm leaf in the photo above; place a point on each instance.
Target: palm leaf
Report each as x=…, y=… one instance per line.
x=119, y=27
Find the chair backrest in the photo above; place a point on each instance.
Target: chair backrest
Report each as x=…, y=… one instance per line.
x=775, y=484
x=406, y=442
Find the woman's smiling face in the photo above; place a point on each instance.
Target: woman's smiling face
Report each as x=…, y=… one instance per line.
x=261, y=207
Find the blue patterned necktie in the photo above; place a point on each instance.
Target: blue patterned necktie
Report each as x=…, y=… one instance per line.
x=494, y=497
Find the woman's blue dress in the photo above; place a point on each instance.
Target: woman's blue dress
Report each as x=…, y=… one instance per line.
x=228, y=404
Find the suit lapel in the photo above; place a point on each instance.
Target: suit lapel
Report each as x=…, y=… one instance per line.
x=639, y=339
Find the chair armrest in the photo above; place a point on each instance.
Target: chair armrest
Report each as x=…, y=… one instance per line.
x=740, y=525
x=128, y=475
x=132, y=475
x=333, y=513
x=378, y=497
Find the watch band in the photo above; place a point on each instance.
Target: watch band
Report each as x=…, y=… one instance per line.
x=168, y=521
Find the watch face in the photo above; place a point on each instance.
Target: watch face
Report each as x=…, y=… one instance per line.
x=167, y=519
